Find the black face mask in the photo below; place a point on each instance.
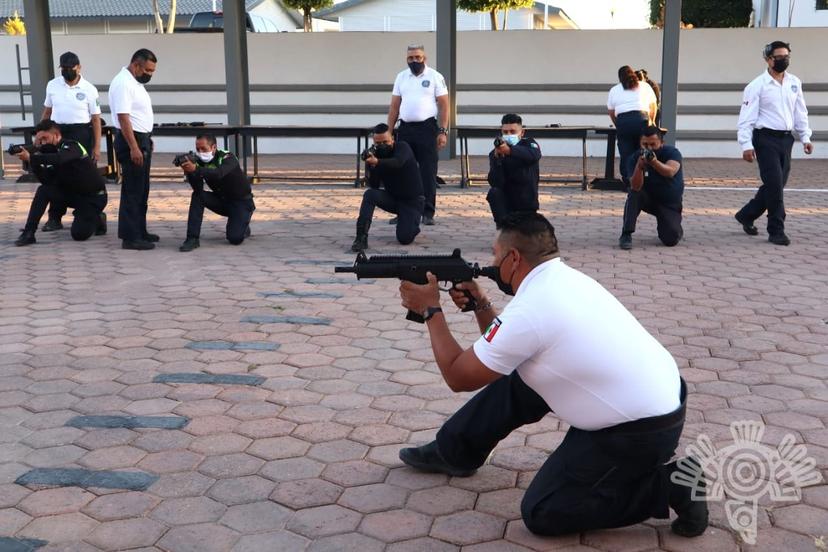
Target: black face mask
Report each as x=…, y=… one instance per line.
x=505, y=287
x=416, y=67
x=384, y=151
x=780, y=65
x=144, y=79
x=69, y=74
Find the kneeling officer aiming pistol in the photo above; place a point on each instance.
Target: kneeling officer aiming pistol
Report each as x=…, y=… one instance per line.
x=413, y=268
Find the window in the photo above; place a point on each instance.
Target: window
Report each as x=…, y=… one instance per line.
x=822, y=4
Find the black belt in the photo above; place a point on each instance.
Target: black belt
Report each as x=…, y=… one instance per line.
x=772, y=132
x=654, y=423
x=137, y=134
x=75, y=125
x=429, y=120
x=641, y=113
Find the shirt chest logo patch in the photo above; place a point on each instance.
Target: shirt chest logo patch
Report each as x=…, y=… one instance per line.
x=794, y=88
x=80, y=96
x=490, y=332
x=426, y=83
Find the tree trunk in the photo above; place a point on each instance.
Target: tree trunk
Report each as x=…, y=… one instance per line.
x=505, y=15
x=308, y=21
x=159, y=24
x=171, y=18
x=493, y=18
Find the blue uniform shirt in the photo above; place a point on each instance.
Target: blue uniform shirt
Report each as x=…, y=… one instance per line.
x=660, y=188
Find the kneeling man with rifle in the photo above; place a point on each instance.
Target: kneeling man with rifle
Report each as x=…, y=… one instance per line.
x=563, y=345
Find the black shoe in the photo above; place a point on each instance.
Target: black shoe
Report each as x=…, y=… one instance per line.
x=137, y=245
x=393, y=221
x=26, y=238
x=779, y=239
x=247, y=231
x=52, y=225
x=152, y=238
x=360, y=243
x=428, y=221
x=189, y=244
x=428, y=459
x=692, y=514
x=748, y=227
x=625, y=241
x=101, y=231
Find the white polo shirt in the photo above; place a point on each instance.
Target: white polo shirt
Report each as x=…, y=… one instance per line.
x=419, y=94
x=639, y=98
x=768, y=104
x=127, y=95
x=72, y=104
x=576, y=345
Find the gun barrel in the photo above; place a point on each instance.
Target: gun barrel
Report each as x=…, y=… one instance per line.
x=351, y=269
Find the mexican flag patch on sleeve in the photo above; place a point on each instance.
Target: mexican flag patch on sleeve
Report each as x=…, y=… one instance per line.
x=490, y=332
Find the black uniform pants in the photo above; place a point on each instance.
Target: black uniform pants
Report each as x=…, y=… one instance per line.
x=135, y=184
x=773, y=154
x=408, y=213
x=629, y=127
x=237, y=211
x=422, y=137
x=87, y=209
x=83, y=135
x=502, y=204
x=668, y=216
x=600, y=479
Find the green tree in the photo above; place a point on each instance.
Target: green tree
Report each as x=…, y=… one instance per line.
x=492, y=6
x=306, y=6
x=706, y=13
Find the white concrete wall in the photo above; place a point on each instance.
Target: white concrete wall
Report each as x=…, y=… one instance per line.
x=726, y=56
x=803, y=14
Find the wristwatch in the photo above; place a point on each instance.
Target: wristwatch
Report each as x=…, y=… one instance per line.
x=430, y=312
x=442, y=130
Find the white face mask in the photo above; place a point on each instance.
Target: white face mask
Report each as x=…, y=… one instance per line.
x=205, y=156
x=511, y=139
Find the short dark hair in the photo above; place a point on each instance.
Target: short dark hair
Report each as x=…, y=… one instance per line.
x=211, y=138
x=381, y=128
x=143, y=55
x=46, y=125
x=69, y=59
x=530, y=233
x=652, y=130
x=511, y=119
x=768, y=52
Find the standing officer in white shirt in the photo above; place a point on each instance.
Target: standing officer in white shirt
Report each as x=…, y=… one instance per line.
x=564, y=344
x=72, y=102
x=773, y=110
x=419, y=97
x=132, y=116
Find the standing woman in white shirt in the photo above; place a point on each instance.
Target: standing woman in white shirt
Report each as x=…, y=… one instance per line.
x=773, y=109
x=632, y=106
x=133, y=117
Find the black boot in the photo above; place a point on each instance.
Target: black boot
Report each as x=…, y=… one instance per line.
x=361, y=240
x=692, y=513
x=427, y=458
x=189, y=244
x=52, y=225
x=27, y=237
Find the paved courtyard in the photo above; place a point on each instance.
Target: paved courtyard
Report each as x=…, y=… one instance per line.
x=248, y=399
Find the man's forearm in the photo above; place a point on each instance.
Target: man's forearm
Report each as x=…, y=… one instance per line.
x=485, y=316
x=96, y=133
x=393, y=115
x=445, y=347
x=637, y=180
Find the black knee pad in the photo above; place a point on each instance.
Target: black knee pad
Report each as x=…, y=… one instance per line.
x=78, y=235
x=235, y=240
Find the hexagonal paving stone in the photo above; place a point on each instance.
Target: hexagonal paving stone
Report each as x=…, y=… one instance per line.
x=241, y=490
x=373, y=498
x=321, y=431
x=184, y=511
x=379, y=434
x=256, y=517
x=204, y=537
x=396, y=525
x=801, y=518
x=442, y=500
x=414, y=480
x=60, y=528
x=230, y=465
x=504, y=503
x=50, y=502
x=113, y=458
x=340, y=450
x=170, y=461
x=126, y=533
x=182, y=484
x=628, y=539
x=120, y=506
x=517, y=532
x=275, y=540
x=290, y=469
x=275, y=448
x=466, y=528
x=324, y=521
x=355, y=472
x=12, y=520
x=306, y=493
x=221, y=443
x=351, y=542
